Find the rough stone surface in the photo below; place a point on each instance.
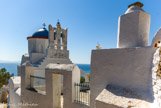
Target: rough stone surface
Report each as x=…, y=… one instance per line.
x=156, y=79
x=57, y=49
x=121, y=98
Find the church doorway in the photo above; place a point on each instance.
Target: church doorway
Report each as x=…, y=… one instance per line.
x=58, y=91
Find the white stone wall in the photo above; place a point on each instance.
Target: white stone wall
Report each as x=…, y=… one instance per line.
x=127, y=67
x=37, y=49
x=40, y=100
x=14, y=92
x=36, y=57
x=117, y=97
x=25, y=58
x=48, y=60
x=71, y=75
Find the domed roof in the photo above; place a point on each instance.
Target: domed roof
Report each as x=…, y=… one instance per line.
x=41, y=33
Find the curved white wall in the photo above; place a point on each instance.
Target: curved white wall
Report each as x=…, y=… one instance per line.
x=37, y=49
x=37, y=45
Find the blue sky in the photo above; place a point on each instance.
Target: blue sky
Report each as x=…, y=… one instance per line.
x=88, y=22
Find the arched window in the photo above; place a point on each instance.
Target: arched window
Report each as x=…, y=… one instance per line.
x=61, y=41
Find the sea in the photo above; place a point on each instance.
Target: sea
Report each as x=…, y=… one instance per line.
x=12, y=67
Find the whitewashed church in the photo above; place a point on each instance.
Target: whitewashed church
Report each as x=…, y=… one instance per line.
x=46, y=47
x=128, y=76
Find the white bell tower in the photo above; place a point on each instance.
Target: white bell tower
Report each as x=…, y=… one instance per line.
x=57, y=42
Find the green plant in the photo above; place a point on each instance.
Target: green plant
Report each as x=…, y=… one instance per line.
x=4, y=77
x=82, y=79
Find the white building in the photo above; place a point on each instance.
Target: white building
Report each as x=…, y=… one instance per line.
x=128, y=76
x=44, y=47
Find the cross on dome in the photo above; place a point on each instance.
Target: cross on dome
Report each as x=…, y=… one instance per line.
x=44, y=25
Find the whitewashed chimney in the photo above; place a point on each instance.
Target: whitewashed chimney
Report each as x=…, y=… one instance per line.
x=133, y=27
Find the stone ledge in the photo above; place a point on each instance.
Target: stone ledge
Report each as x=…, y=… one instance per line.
x=122, y=98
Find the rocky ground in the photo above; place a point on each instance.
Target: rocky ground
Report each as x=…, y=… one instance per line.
x=3, y=105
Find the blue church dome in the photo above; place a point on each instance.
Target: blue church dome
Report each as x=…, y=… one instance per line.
x=41, y=33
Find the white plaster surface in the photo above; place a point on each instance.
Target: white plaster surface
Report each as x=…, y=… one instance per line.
x=14, y=92
x=37, y=49
x=27, y=63
x=127, y=67
x=133, y=28
x=67, y=67
x=25, y=58
x=42, y=64
x=16, y=80
x=133, y=9
x=121, y=98
x=37, y=45
x=56, y=90
x=18, y=91
x=36, y=57
x=71, y=74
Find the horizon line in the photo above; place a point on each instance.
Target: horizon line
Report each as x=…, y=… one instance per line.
x=8, y=61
